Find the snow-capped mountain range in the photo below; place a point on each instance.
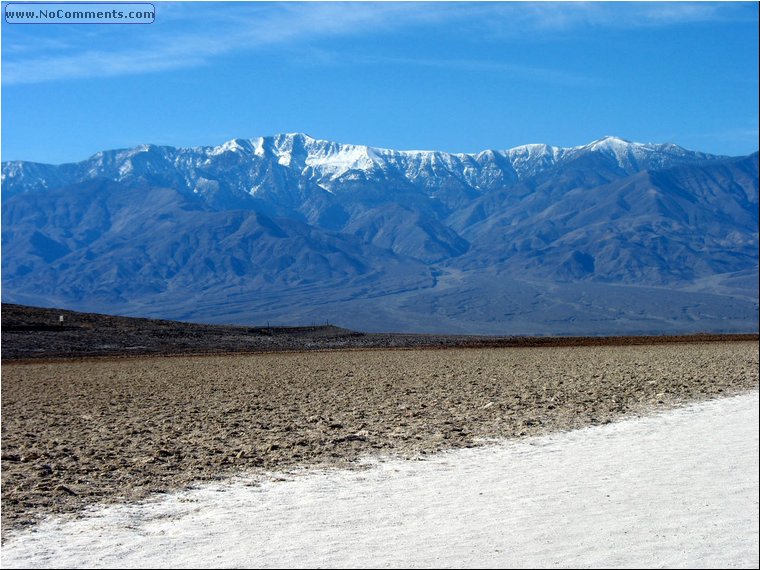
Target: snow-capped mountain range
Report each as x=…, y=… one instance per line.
x=612, y=236
x=245, y=166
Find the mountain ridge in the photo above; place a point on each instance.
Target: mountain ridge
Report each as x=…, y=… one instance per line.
x=348, y=156
x=532, y=240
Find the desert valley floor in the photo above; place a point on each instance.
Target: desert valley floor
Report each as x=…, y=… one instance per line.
x=76, y=433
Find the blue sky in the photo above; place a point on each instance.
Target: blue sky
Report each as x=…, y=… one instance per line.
x=459, y=77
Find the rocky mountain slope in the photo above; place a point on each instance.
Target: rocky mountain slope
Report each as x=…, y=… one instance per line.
x=611, y=237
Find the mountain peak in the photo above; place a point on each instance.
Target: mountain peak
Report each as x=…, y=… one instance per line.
x=293, y=137
x=234, y=145
x=611, y=142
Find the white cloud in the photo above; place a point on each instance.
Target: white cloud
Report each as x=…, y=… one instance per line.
x=538, y=73
x=571, y=16
x=192, y=34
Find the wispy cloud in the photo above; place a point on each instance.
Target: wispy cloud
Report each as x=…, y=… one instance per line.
x=524, y=71
x=194, y=34
x=187, y=35
x=558, y=17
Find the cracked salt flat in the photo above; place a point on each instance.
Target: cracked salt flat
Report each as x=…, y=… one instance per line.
x=674, y=490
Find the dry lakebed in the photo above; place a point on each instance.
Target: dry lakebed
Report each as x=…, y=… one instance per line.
x=81, y=432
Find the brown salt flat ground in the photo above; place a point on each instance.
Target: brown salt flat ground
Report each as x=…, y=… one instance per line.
x=75, y=433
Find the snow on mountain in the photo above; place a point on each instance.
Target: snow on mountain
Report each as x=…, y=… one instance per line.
x=611, y=236
x=327, y=163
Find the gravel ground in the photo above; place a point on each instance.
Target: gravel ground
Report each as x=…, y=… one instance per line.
x=76, y=433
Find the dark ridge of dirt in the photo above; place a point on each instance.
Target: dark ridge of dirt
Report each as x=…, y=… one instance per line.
x=32, y=333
